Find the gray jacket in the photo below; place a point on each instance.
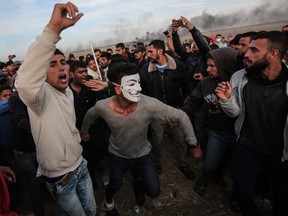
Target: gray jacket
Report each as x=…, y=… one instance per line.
x=235, y=106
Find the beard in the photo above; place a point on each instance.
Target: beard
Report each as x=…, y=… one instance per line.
x=257, y=66
x=154, y=60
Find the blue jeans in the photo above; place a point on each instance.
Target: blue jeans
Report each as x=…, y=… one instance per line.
x=27, y=165
x=142, y=168
x=247, y=165
x=76, y=197
x=220, y=144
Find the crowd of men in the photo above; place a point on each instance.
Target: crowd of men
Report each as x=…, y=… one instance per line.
x=224, y=101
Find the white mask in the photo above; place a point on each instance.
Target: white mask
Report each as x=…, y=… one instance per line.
x=218, y=40
x=131, y=88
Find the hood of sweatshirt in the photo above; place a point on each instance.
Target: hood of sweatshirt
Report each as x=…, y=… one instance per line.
x=225, y=61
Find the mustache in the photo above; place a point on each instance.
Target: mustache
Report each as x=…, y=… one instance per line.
x=247, y=60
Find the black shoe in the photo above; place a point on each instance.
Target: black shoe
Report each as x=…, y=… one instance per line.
x=187, y=172
x=112, y=212
x=220, y=181
x=138, y=192
x=158, y=168
x=200, y=186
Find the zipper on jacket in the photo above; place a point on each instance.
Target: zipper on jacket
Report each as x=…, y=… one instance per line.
x=163, y=87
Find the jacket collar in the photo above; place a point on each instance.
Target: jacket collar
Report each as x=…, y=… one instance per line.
x=171, y=64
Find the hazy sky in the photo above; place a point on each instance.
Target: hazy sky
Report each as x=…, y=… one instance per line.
x=110, y=21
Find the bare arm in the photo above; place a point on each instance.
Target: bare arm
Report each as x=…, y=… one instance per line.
x=96, y=84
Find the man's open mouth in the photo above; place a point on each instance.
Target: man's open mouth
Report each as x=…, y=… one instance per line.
x=62, y=76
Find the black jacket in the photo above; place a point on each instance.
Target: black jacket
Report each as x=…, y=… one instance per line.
x=194, y=62
x=84, y=101
x=170, y=86
x=23, y=139
x=204, y=97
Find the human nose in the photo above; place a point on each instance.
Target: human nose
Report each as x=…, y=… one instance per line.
x=247, y=54
x=60, y=66
x=208, y=69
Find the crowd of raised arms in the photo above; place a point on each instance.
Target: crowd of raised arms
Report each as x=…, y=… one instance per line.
x=223, y=101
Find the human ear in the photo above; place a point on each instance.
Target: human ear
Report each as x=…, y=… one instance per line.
x=117, y=90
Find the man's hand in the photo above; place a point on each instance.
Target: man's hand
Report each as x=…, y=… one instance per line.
x=196, y=153
x=96, y=84
x=84, y=136
x=186, y=23
x=64, y=16
x=198, y=76
x=175, y=25
x=8, y=174
x=223, y=90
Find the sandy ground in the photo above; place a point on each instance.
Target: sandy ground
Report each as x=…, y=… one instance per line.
x=177, y=196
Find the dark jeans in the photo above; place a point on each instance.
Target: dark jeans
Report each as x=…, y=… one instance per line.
x=157, y=132
x=247, y=165
x=27, y=165
x=142, y=168
x=220, y=146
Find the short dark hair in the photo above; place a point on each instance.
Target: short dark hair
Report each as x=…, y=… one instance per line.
x=97, y=50
x=2, y=65
x=90, y=58
x=4, y=87
x=140, y=44
x=117, y=71
x=3, y=80
x=77, y=64
x=70, y=61
x=158, y=44
x=249, y=34
x=116, y=59
x=81, y=58
x=71, y=55
x=58, y=52
x=276, y=39
x=236, y=39
x=106, y=55
x=121, y=45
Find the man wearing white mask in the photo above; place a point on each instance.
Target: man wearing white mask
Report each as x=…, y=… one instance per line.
x=128, y=114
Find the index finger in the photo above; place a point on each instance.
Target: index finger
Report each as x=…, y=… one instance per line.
x=71, y=9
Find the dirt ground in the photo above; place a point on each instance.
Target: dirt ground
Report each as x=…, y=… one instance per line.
x=177, y=196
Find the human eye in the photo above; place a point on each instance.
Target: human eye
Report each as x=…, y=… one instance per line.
x=254, y=50
x=52, y=64
x=63, y=63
